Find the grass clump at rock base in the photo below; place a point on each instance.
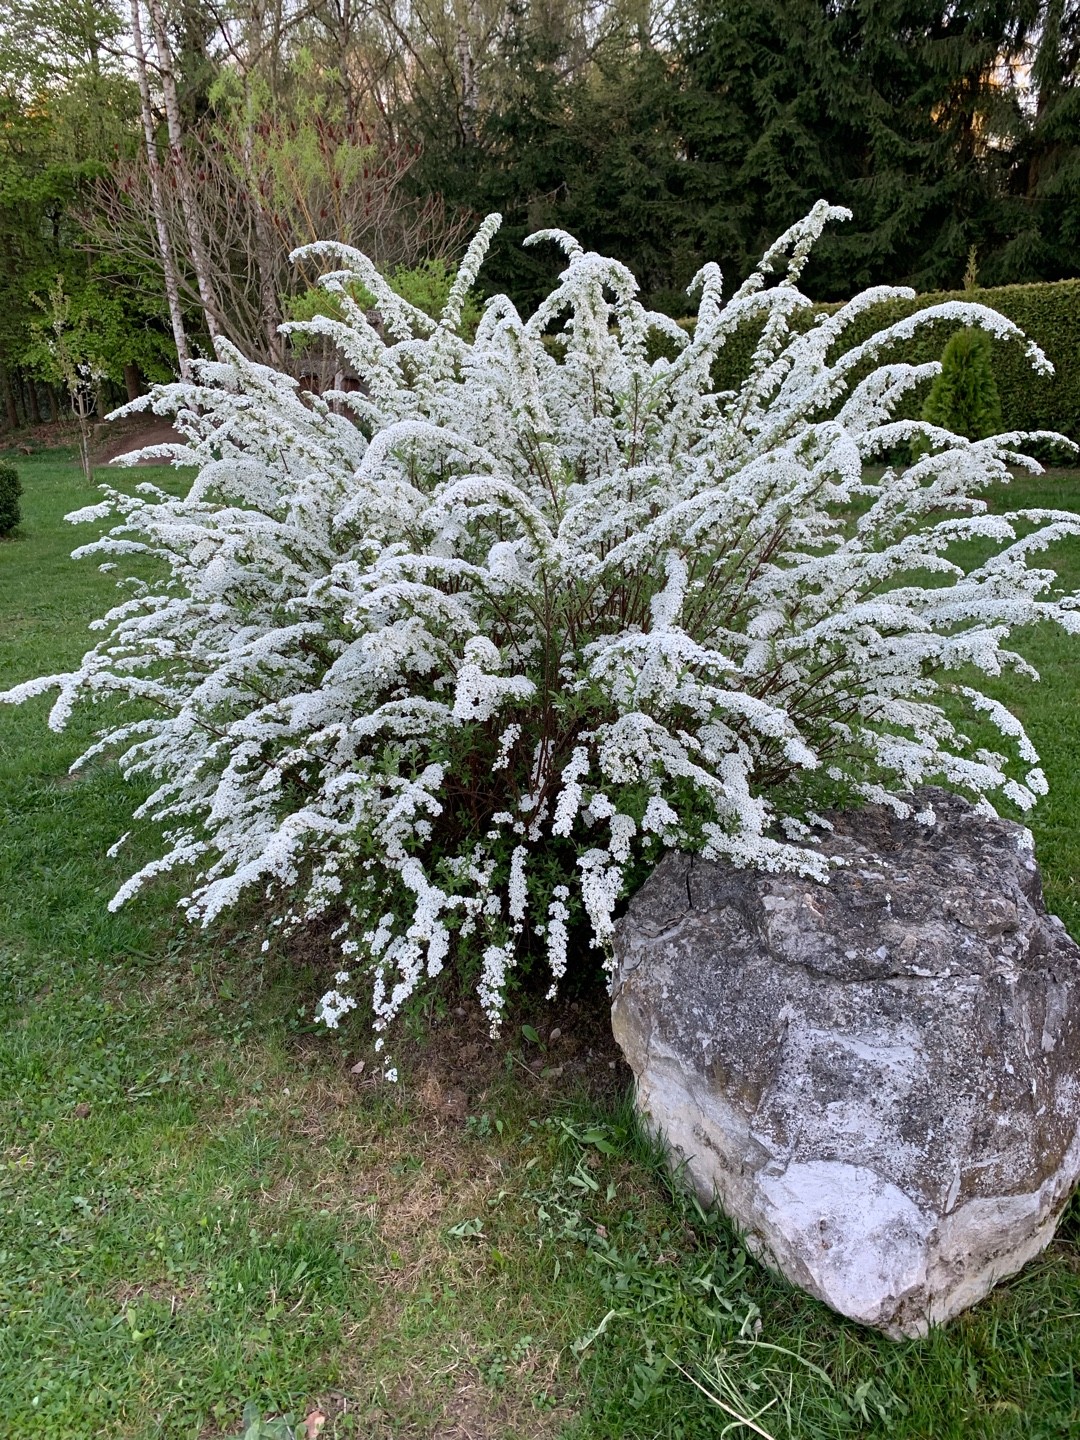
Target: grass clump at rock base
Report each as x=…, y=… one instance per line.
x=203, y=1206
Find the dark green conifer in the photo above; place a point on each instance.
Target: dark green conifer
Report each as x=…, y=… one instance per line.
x=886, y=108
x=964, y=397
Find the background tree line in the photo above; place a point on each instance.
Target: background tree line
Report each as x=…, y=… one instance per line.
x=160, y=159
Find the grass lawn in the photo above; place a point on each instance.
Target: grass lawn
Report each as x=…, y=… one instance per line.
x=202, y=1205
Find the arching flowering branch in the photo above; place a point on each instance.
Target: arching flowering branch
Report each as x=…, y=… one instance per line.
x=456, y=662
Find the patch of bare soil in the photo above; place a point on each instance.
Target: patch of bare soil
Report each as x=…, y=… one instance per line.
x=110, y=438
x=449, y=1062
x=118, y=437
x=28, y=439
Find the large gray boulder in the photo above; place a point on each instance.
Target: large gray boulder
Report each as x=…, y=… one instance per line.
x=878, y=1078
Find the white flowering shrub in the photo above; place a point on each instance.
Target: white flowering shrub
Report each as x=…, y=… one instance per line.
x=451, y=658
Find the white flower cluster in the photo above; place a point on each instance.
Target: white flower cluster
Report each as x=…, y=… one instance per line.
x=450, y=655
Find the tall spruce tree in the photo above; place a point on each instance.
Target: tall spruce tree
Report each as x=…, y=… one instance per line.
x=900, y=109
x=1046, y=173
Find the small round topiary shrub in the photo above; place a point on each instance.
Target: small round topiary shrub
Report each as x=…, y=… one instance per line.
x=10, y=490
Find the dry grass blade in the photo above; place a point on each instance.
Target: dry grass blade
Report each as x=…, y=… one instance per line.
x=750, y=1422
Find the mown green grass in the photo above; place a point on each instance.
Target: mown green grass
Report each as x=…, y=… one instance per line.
x=201, y=1206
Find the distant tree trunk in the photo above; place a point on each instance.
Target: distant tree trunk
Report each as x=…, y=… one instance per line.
x=264, y=256
x=80, y=403
x=199, y=259
x=32, y=406
x=133, y=381
x=268, y=295
x=470, y=89
x=9, y=399
x=168, y=264
x=344, y=38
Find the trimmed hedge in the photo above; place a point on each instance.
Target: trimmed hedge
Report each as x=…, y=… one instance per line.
x=1048, y=313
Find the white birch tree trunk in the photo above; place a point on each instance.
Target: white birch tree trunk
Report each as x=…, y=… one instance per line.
x=199, y=258
x=168, y=264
